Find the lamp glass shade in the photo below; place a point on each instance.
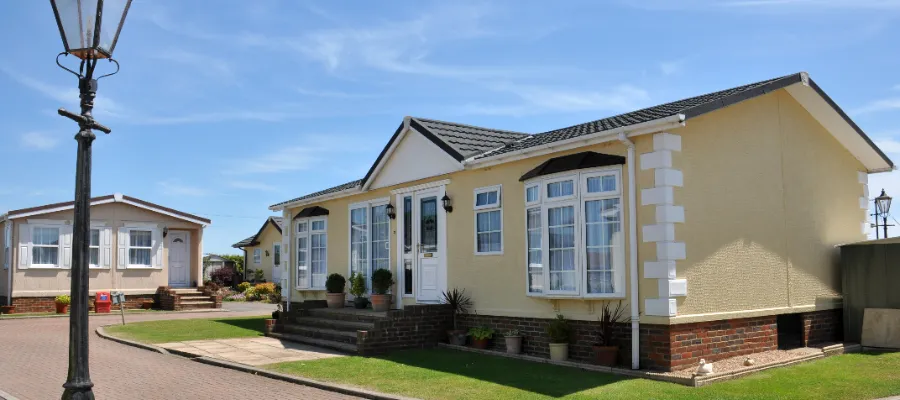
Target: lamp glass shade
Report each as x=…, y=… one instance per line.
x=883, y=203
x=390, y=211
x=90, y=28
x=446, y=202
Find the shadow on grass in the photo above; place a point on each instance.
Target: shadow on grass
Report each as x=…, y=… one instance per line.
x=252, y=323
x=545, y=379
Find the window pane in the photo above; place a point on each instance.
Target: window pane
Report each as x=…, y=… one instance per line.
x=531, y=194
x=301, y=227
x=139, y=256
x=45, y=236
x=407, y=224
x=428, y=227
x=602, y=238
x=95, y=237
x=481, y=199
x=561, y=229
x=302, y=261
x=140, y=238
x=317, y=259
x=599, y=184
x=45, y=255
x=560, y=189
x=407, y=277
x=318, y=225
x=277, y=254
x=95, y=256
x=359, y=246
x=488, y=231
x=381, y=226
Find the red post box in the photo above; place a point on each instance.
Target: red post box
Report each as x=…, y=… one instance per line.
x=102, y=302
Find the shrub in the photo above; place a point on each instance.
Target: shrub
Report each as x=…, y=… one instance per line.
x=264, y=289
x=212, y=286
x=559, y=330
x=251, y=295
x=512, y=333
x=275, y=298
x=335, y=283
x=382, y=279
x=458, y=300
x=236, y=297
x=243, y=286
x=63, y=299
x=609, y=317
x=357, y=285
x=222, y=276
x=259, y=275
x=481, y=332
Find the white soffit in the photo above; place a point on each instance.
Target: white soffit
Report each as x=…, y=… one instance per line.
x=414, y=158
x=841, y=129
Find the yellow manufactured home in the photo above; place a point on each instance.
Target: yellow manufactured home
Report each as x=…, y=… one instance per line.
x=715, y=213
x=262, y=252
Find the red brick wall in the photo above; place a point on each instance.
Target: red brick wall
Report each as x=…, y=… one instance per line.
x=48, y=304
x=822, y=327
x=673, y=347
x=417, y=326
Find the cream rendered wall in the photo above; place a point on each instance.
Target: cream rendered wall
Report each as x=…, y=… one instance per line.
x=496, y=283
x=51, y=282
x=269, y=236
x=768, y=193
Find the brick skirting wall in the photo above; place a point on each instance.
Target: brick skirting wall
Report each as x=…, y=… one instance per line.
x=417, y=326
x=664, y=347
x=823, y=327
x=48, y=304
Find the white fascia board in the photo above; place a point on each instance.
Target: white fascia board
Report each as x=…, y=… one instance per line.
x=57, y=209
x=387, y=155
x=317, y=199
x=672, y=122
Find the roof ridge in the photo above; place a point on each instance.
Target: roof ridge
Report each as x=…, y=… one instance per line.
x=468, y=126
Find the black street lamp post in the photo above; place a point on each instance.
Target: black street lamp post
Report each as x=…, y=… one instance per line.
x=882, y=208
x=89, y=31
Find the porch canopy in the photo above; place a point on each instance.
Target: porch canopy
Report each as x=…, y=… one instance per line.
x=314, y=211
x=586, y=159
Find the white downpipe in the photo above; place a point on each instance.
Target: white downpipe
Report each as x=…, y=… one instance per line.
x=632, y=254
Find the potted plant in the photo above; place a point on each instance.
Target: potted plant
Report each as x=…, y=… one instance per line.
x=62, y=303
x=559, y=332
x=147, y=304
x=460, y=302
x=358, y=290
x=513, y=341
x=605, y=352
x=480, y=336
x=335, y=287
x=382, y=279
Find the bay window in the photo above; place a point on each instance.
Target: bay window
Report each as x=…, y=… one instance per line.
x=370, y=246
x=312, y=249
x=488, y=221
x=574, y=236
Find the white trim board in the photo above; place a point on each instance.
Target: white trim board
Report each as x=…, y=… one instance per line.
x=117, y=198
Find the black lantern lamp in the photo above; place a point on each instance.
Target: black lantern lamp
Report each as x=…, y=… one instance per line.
x=882, y=208
x=391, y=212
x=448, y=204
x=89, y=30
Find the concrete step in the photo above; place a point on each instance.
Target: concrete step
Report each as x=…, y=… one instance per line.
x=328, y=344
x=186, y=291
x=347, y=314
x=321, y=333
x=335, y=324
x=198, y=297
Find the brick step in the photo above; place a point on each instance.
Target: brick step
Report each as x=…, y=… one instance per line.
x=186, y=291
x=192, y=297
x=335, y=324
x=328, y=344
x=321, y=333
x=364, y=316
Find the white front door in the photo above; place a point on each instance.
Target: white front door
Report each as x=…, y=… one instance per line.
x=179, y=259
x=429, y=254
x=276, y=263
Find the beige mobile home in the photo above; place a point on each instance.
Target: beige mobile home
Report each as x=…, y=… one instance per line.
x=262, y=251
x=136, y=247
x=714, y=218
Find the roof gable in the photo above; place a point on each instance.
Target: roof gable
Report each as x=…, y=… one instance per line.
x=412, y=157
x=112, y=198
x=276, y=222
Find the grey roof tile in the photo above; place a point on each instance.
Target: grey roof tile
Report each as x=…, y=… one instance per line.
x=469, y=140
x=330, y=190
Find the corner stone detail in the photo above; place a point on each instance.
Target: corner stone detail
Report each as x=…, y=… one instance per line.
x=668, y=251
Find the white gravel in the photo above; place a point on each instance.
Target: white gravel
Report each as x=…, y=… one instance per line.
x=760, y=359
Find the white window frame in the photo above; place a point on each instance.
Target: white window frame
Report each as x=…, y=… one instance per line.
x=7, y=244
x=484, y=209
x=307, y=234
x=59, y=246
x=257, y=256
x=99, y=246
x=128, y=248
x=578, y=199
x=370, y=268
x=537, y=187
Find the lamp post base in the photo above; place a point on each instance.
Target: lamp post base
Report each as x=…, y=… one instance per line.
x=78, y=392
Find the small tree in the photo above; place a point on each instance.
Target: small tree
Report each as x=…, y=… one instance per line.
x=559, y=330
x=238, y=262
x=459, y=301
x=357, y=285
x=335, y=283
x=382, y=279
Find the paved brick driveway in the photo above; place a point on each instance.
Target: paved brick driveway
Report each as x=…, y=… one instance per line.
x=33, y=365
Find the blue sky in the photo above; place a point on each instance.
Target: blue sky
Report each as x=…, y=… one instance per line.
x=224, y=110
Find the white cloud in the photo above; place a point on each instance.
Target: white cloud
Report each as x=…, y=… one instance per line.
x=316, y=152
x=765, y=5
x=897, y=86
x=333, y=94
x=541, y=99
x=671, y=67
x=878, y=106
x=39, y=140
x=173, y=188
x=888, y=145
x=69, y=96
x=248, y=185
x=208, y=65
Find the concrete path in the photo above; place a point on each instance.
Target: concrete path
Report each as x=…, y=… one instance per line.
x=33, y=358
x=251, y=351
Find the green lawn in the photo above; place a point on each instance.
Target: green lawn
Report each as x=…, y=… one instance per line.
x=449, y=374
x=190, y=329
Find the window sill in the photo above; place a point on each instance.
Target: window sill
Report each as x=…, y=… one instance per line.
x=309, y=289
x=143, y=268
x=45, y=267
x=492, y=253
x=611, y=296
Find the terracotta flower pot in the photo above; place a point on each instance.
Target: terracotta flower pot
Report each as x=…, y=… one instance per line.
x=62, y=308
x=147, y=305
x=335, y=300
x=513, y=344
x=7, y=309
x=559, y=351
x=606, y=355
x=270, y=325
x=456, y=337
x=381, y=302
x=479, y=343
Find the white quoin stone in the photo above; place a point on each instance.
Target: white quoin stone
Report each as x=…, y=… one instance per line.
x=864, y=203
x=670, y=251
x=658, y=233
x=657, y=195
x=656, y=159
x=866, y=191
x=672, y=287
x=666, y=141
x=668, y=213
x=863, y=177
x=659, y=269
x=664, y=307
x=865, y=228
x=669, y=177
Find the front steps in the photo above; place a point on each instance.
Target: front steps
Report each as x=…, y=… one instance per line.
x=335, y=329
x=182, y=299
